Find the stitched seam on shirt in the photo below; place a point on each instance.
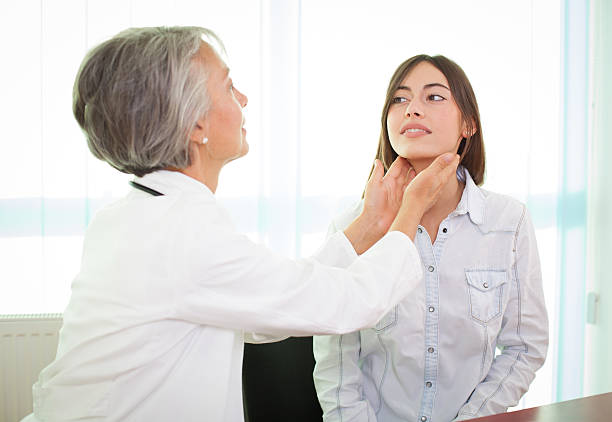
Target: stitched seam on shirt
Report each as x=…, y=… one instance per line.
x=496, y=390
x=518, y=282
x=435, y=393
x=518, y=327
x=382, y=379
x=518, y=356
x=484, y=353
x=340, y=378
x=437, y=366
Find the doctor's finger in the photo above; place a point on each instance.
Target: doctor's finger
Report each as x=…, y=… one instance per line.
x=444, y=164
x=398, y=167
x=410, y=175
x=450, y=168
x=377, y=173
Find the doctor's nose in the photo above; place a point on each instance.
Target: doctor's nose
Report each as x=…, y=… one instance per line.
x=242, y=98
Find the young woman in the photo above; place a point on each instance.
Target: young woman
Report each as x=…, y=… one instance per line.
x=433, y=357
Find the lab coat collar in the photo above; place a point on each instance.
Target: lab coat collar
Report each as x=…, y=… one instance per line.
x=173, y=182
x=472, y=200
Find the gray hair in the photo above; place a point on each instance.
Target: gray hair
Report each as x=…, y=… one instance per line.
x=138, y=96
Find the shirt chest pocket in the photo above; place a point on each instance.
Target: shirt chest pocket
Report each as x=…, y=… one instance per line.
x=486, y=293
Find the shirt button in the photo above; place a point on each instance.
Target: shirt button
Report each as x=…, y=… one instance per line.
x=420, y=230
x=431, y=309
x=444, y=230
x=423, y=418
x=428, y=384
x=430, y=349
x=485, y=285
x=430, y=268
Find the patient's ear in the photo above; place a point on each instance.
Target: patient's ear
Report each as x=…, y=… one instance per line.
x=467, y=131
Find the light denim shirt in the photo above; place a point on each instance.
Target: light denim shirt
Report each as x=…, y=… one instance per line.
x=433, y=357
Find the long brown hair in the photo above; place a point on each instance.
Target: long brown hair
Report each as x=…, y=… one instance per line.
x=473, y=157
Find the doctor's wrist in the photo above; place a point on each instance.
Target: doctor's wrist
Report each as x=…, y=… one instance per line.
x=407, y=221
x=364, y=232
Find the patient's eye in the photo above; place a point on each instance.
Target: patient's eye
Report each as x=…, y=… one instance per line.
x=397, y=100
x=435, y=97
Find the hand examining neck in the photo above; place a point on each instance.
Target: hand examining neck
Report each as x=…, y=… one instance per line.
x=424, y=192
x=399, y=200
x=382, y=200
x=450, y=193
x=447, y=202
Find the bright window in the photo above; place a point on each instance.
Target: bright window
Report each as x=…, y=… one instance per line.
x=316, y=73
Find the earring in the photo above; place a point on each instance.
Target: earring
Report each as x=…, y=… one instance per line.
x=204, y=140
x=461, y=146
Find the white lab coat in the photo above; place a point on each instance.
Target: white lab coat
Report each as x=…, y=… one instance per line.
x=156, y=323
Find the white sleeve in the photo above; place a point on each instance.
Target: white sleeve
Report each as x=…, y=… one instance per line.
x=523, y=336
x=259, y=338
x=337, y=252
x=233, y=283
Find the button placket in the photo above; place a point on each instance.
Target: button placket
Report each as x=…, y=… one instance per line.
x=430, y=254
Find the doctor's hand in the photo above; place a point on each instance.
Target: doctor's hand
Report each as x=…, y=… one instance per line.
x=384, y=195
x=423, y=191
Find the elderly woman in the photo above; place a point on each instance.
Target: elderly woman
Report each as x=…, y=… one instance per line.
x=167, y=290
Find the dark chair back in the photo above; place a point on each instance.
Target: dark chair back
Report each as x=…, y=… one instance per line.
x=277, y=382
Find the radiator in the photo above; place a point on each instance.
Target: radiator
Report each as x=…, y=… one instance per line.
x=27, y=344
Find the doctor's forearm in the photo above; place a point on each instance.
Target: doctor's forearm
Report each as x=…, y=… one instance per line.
x=365, y=231
x=407, y=221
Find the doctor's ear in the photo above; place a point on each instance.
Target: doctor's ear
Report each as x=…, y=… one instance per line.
x=198, y=133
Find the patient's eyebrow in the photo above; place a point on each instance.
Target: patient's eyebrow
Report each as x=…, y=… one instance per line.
x=436, y=84
x=431, y=85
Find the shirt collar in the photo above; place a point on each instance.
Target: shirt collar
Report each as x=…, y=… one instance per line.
x=173, y=182
x=472, y=200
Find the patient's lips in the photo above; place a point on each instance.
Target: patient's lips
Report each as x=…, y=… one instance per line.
x=414, y=130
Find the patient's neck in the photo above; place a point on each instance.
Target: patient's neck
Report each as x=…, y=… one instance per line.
x=447, y=202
